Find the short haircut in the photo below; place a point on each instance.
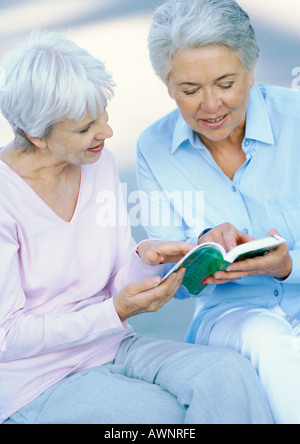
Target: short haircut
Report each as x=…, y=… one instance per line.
x=49, y=78
x=182, y=24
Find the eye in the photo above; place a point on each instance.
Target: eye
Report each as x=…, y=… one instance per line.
x=227, y=85
x=85, y=130
x=190, y=93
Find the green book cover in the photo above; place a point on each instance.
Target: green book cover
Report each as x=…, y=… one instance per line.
x=207, y=258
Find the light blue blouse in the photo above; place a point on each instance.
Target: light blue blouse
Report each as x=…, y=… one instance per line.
x=183, y=186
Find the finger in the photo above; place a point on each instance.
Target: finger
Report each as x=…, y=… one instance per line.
x=250, y=263
x=226, y=279
x=273, y=231
x=230, y=238
x=173, y=251
x=171, y=285
x=223, y=281
x=174, y=280
x=231, y=276
x=242, y=238
x=160, y=295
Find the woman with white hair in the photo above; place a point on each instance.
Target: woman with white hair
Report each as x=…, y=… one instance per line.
x=71, y=276
x=237, y=142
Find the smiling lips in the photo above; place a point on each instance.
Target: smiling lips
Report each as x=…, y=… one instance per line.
x=215, y=123
x=97, y=148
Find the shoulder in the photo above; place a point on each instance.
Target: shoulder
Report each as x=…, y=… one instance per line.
x=285, y=101
x=11, y=198
x=10, y=182
x=160, y=131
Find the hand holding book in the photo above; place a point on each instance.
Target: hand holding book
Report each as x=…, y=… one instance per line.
x=206, y=263
x=277, y=263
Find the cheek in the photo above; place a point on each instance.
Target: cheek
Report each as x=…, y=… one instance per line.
x=187, y=108
x=239, y=99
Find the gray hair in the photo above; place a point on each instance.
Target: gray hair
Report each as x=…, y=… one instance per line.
x=49, y=78
x=182, y=24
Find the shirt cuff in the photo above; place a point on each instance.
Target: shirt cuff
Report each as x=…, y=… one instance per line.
x=294, y=277
x=112, y=316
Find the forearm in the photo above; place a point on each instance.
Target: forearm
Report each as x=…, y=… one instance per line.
x=32, y=335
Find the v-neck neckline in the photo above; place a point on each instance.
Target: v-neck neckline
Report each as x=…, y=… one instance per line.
x=37, y=197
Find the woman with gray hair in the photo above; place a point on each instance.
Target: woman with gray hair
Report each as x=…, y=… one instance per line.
x=71, y=275
x=236, y=142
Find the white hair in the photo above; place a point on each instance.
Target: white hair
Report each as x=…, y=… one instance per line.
x=182, y=24
x=49, y=78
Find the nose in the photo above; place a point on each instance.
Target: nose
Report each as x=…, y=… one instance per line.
x=103, y=129
x=211, y=102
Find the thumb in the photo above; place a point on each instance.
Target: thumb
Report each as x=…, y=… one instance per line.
x=146, y=284
x=153, y=257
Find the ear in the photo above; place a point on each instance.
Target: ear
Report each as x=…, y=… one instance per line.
x=39, y=142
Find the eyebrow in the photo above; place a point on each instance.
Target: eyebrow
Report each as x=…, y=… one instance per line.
x=217, y=80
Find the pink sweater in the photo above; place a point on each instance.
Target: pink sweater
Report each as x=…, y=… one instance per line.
x=57, y=281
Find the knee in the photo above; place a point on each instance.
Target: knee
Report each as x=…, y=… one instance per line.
x=227, y=362
x=261, y=329
x=232, y=362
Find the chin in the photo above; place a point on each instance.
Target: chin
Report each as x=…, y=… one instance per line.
x=91, y=159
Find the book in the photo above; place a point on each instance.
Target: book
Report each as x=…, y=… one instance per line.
x=207, y=258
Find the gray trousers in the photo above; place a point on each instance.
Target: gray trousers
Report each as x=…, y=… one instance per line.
x=154, y=381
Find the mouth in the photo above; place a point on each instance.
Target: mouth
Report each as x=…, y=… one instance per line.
x=215, y=123
x=96, y=149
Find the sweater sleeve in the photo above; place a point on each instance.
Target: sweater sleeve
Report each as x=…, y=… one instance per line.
x=23, y=333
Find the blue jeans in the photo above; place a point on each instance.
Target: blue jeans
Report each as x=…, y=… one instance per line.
x=154, y=381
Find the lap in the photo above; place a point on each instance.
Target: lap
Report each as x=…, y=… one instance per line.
x=173, y=364
x=125, y=391
x=102, y=395
x=151, y=381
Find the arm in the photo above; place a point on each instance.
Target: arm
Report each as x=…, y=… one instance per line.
x=159, y=216
x=25, y=333
x=31, y=326
x=29, y=332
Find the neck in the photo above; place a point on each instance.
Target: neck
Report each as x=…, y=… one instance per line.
x=232, y=142
x=228, y=153
x=34, y=164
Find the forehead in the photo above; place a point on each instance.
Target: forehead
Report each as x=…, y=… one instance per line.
x=208, y=61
